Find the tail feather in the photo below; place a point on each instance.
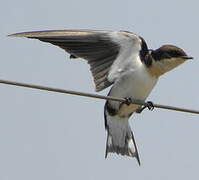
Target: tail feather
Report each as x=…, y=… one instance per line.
x=120, y=138
x=129, y=149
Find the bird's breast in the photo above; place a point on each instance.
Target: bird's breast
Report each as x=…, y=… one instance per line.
x=135, y=84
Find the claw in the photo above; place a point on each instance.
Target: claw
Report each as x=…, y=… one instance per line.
x=128, y=101
x=150, y=105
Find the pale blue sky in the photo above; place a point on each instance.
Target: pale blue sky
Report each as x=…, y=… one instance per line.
x=51, y=136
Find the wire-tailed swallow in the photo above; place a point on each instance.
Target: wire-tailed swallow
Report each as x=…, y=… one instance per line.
x=123, y=60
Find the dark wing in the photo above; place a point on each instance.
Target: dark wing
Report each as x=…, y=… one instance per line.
x=96, y=47
x=99, y=48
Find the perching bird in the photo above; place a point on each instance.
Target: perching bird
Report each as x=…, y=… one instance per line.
x=123, y=60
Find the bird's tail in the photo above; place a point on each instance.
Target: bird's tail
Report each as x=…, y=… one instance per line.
x=120, y=138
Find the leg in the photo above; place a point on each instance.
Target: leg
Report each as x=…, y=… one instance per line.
x=149, y=105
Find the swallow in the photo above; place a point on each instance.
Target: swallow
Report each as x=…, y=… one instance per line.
x=122, y=60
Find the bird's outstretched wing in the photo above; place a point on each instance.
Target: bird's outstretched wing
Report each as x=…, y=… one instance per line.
x=107, y=52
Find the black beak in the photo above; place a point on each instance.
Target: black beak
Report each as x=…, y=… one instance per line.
x=187, y=57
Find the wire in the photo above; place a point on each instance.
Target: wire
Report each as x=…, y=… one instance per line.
x=138, y=102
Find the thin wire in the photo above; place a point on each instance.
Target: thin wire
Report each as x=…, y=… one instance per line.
x=138, y=102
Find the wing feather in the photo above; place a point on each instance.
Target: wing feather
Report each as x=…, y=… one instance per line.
x=100, y=48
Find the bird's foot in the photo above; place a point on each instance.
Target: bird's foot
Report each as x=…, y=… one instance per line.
x=149, y=105
x=128, y=101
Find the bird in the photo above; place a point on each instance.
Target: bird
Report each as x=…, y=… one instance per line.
x=122, y=60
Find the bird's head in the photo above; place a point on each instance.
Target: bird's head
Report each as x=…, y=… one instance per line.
x=166, y=58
